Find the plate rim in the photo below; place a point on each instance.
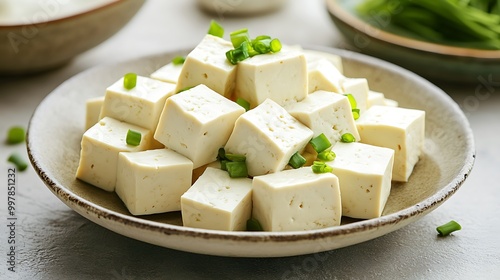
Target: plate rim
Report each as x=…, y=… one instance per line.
x=87, y=208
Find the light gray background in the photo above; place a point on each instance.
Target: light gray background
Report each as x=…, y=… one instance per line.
x=53, y=242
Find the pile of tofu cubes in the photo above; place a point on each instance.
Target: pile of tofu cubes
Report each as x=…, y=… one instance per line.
x=185, y=113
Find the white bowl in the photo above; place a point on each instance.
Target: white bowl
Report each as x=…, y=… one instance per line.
x=44, y=43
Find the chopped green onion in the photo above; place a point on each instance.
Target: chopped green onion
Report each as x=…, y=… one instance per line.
x=15, y=135
x=275, y=45
x=321, y=167
x=347, y=138
x=448, y=228
x=243, y=103
x=238, y=54
x=237, y=169
x=297, y=160
x=355, y=113
x=18, y=161
x=239, y=36
x=352, y=100
x=262, y=46
x=223, y=163
x=327, y=155
x=236, y=157
x=215, y=29
x=221, y=154
x=133, y=138
x=261, y=37
x=320, y=143
x=129, y=80
x=253, y=225
x=178, y=60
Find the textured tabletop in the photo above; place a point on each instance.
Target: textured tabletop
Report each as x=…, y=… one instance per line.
x=54, y=242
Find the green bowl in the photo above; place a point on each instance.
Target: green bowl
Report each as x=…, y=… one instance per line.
x=438, y=63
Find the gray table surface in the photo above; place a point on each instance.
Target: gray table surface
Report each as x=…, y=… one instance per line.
x=54, y=242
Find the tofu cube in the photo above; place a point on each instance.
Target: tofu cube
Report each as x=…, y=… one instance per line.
x=153, y=181
x=323, y=75
x=296, y=199
x=280, y=76
x=313, y=56
x=93, y=109
x=207, y=64
x=364, y=173
x=140, y=105
x=325, y=112
x=375, y=98
x=217, y=202
x=169, y=73
x=99, y=151
x=268, y=135
x=400, y=129
x=358, y=87
x=196, y=123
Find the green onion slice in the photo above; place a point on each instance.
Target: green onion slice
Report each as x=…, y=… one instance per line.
x=223, y=163
x=320, y=143
x=133, y=138
x=275, y=45
x=243, y=103
x=352, y=100
x=448, y=228
x=178, y=60
x=327, y=155
x=130, y=80
x=355, y=113
x=18, y=161
x=347, y=138
x=215, y=29
x=254, y=225
x=239, y=36
x=237, y=169
x=236, y=157
x=16, y=135
x=297, y=160
x=321, y=167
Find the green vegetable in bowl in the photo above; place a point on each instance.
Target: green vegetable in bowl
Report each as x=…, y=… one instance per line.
x=461, y=23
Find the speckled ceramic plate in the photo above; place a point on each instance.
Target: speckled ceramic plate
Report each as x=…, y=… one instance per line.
x=433, y=61
x=57, y=126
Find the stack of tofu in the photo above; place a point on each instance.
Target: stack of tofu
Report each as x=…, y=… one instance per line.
x=185, y=113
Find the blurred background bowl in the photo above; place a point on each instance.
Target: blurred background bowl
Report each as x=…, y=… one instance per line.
x=41, y=35
x=438, y=63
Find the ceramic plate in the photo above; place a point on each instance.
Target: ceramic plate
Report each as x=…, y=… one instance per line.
x=433, y=61
x=57, y=126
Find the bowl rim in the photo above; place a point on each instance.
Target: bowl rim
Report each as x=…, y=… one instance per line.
x=336, y=10
x=67, y=18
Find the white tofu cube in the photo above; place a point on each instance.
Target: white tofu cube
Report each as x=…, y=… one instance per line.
x=325, y=112
x=400, y=129
x=391, y=102
x=169, y=73
x=268, y=135
x=375, y=98
x=217, y=202
x=140, y=105
x=196, y=123
x=93, y=110
x=364, y=173
x=358, y=87
x=153, y=181
x=323, y=75
x=100, y=147
x=313, y=56
x=281, y=77
x=296, y=199
x=207, y=64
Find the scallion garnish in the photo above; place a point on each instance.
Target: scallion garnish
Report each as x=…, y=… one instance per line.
x=237, y=169
x=239, y=36
x=133, y=138
x=245, y=48
x=16, y=135
x=275, y=45
x=352, y=100
x=320, y=143
x=327, y=155
x=243, y=103
x=223, y=164
x=297, y=160
x=130, y=80
x=215, y=29
x=355, y=113
x=321, y=167
x=178, y=60
x=254, y=225
x=236, y=157
x=347, y=138
x=448, y=228
x=18, y=161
